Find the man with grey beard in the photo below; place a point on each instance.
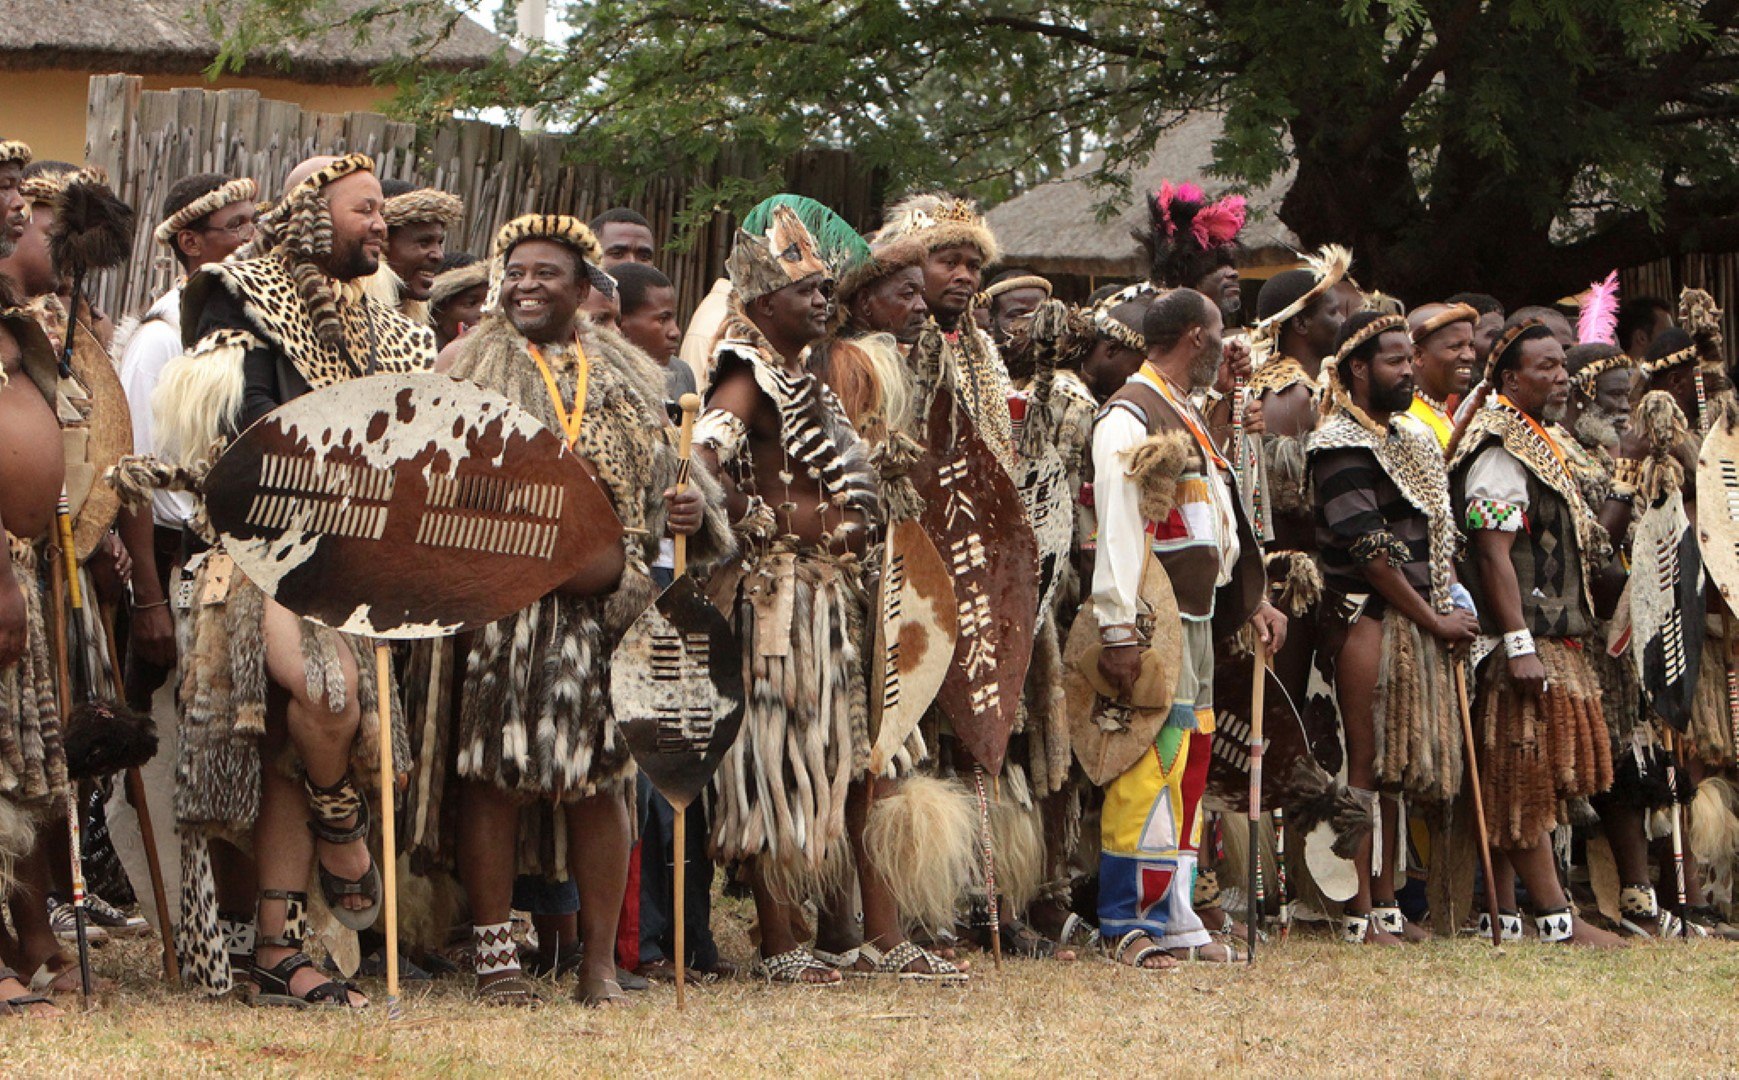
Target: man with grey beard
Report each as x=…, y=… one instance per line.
x=1152, y=455
x=1600, y=379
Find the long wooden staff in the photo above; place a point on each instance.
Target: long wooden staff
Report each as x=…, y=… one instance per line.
x=1478, y=802
x=67, y=616
x=690, y=404
x=1258, y=687
x=388, y=827
x=1668, y=744
x=147, y=834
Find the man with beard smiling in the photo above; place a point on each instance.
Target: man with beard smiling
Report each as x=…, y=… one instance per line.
x=1387, y=541
x=1152, y=456
x=541, y=352
x=1443, y=358
x=261, y=332
x=1535, y=550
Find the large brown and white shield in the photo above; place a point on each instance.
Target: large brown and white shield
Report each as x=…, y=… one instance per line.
x=1109, y=736
x=676, y=683
x=98, y=432
x=406, y=506
x=1718, y=509
x=915, y=632
x=973, y=514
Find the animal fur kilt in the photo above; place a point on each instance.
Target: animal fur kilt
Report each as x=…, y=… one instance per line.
x=781, y=788
x=222, y=701
x=1711, y=736
x=32, y=758
x=1415, y=718
x=1539, y=752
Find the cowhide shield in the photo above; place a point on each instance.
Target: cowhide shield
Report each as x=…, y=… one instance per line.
x=973, y=514
x=916, y=627
x=97, y=428
x=676, y=683
x=406, y=506
x=1043, y=485
x=1666, y=609
x=1718, y=509
x=1284, y=741
x=1109, y=736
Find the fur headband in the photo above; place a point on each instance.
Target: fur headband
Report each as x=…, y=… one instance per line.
x=242, y=189
x=424, y=204
x=450, y=283
x=1110, y=326
x=560, y=228
x=1031, y=281
x=1453, y=313
x=939, y=221
x=13, y=152
x=1329, y=266
x=1336, y=395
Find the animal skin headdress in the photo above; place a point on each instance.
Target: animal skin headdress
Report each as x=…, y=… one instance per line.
x=938, y=221
x=450, y=283
x=781, y=255
x=13, y=152
x=1700, y=318
x=242, y=189
x=300, y=225
x=1186, y=235
x=424, y=204
x=1008, y=285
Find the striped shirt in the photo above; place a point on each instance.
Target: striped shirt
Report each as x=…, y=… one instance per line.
x=1359, y=513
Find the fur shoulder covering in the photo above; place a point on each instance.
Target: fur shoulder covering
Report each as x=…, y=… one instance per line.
x=813, y=427
x=1155, y=467
x=1278, y=374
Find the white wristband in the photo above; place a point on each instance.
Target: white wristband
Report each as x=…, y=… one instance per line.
x=1518, y=643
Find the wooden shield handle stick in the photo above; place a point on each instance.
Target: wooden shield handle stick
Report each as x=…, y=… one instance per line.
x=142, y=810
x=388, y=829
x=1672, y=753
x=1258, y=688
x=71, y=635
x=690, y=404
x=1478, y=802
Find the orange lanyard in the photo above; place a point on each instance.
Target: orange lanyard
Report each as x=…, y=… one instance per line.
x=1551, y=443
x=571, y=417
x=1159, y=381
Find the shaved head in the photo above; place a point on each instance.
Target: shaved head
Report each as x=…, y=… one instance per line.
x=305, y=170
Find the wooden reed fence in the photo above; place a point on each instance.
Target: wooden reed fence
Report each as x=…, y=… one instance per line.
x=1716, y=273
x=149, y=139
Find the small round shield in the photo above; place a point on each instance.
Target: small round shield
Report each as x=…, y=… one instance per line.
x=1110, y=735
x=406, y=506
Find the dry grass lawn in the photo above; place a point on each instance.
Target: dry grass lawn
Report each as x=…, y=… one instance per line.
x=1310, y=1007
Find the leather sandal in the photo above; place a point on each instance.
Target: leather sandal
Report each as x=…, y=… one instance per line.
x=326, y=807
x=274, y=982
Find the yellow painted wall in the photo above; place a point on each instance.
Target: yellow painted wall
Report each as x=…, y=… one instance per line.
x=47, y=108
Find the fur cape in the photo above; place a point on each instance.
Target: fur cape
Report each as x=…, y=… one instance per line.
x=198, y=398
x=535, y=715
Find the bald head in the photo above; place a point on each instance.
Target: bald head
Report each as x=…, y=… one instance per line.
x=305, y=170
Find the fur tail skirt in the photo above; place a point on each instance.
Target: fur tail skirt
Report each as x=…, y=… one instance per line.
x=1539, y=751
x=782, y=786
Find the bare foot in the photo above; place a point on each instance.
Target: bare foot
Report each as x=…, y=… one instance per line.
x=67, y=979
x=1592, y=937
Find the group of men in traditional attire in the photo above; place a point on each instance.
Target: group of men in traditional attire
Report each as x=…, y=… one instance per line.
x=1002, y=571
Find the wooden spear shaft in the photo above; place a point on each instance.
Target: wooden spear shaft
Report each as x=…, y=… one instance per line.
x=1478, y=803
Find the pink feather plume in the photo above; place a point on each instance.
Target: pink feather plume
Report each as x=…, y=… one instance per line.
x=1597, y=322
x=1218, y=224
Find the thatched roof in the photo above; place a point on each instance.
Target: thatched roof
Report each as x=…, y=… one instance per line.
x=1054, y=227
x=151, y=37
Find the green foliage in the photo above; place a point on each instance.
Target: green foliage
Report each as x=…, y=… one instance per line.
x=1549, y=121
